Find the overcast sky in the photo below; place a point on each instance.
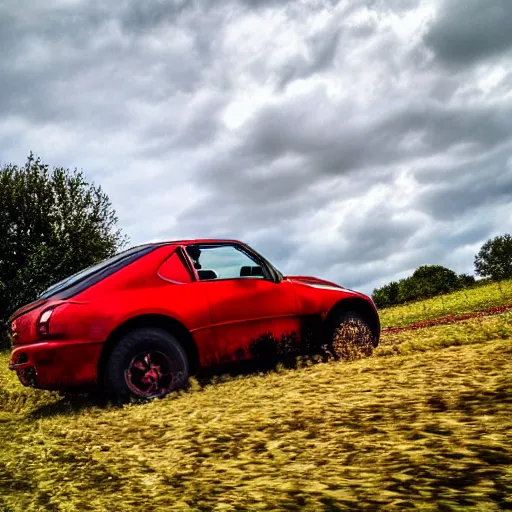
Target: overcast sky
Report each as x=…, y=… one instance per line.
x=351, y=140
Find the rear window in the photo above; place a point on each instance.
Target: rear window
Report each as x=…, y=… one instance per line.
x=93, y=274
x=174, y=270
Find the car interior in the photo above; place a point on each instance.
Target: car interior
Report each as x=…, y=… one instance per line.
x=195, y=252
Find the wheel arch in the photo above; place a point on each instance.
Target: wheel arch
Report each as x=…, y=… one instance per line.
x=361, y=306
x=167, y=323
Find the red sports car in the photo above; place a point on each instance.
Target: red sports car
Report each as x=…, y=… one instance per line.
x=140, y=323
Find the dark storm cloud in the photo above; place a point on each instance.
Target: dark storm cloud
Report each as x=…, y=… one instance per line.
x=197, y=125
x=236, y=214
x=256, y=4
x=374, y=236
x=366, y=238
x=464, y=32
x=311, y=138
x=143, y=16
x=67, y=64
x=473, y=232
x=472, y=185
x=310, y=125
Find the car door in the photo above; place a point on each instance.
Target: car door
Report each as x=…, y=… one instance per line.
x=249, y=311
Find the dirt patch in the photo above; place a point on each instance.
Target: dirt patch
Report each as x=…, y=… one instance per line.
x=449, y=319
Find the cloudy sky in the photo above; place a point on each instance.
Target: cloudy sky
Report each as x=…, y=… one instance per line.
x=352, y=140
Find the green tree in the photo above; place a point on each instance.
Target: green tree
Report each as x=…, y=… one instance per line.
x=431, y=280
x=386, y=296
x=408, y=290
x=495, y=258
x=53, y=223
x=466, y=281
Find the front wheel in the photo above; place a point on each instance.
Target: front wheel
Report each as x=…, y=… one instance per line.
x=146, y=363
x=350, y=336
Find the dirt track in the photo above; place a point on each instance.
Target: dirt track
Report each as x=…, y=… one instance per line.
x=450, y=319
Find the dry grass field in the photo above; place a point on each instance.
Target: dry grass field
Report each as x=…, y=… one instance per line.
x=471, y=300
x=423, y=424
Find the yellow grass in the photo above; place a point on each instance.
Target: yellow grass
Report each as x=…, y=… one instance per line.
x=465, y=301
x=421, y=425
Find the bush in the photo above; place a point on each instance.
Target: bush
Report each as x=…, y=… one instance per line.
x=387, y=295
x=431, y=280
x=466, y=281
x=52, y=224
x=426, y=281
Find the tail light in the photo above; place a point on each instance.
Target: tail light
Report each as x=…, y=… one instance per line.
x=14, y=330
x=43, y=324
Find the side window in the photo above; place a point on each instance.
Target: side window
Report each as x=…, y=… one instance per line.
x=173, y=269
x=223, y=262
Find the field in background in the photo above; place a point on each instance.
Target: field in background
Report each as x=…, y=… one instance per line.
x=470, y=300
x=412, y=428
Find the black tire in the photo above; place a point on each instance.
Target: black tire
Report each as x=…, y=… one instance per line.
x=350, y=336
x=146, y=363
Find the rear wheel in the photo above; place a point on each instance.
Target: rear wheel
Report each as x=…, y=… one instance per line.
x=350, y=336
x=146, y=363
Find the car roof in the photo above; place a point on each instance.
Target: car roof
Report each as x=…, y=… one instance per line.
x=197, y=241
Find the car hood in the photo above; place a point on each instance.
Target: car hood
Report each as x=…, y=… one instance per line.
x=322, y=284
x=315, y=282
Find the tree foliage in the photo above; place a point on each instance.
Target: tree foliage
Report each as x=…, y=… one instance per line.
x=387, y=295
x=52, y=224
x=426, y=281
x=494, y=259
x=434, y=280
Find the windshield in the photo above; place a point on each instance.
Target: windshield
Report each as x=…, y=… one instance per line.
x=89, y=271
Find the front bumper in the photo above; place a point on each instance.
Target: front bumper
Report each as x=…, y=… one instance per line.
x=56, y=365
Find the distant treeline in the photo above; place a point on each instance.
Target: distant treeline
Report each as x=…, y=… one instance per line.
x=427, y=281
x=493, y=262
